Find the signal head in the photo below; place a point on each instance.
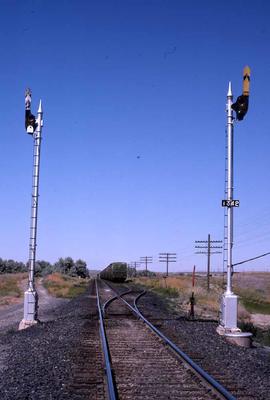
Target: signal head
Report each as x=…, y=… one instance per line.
x=241, y=107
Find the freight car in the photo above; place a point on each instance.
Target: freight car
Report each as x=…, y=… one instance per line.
x=116, y=272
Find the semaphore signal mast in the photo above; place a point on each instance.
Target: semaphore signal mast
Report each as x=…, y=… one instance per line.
x=229, y=301
x=33, y=126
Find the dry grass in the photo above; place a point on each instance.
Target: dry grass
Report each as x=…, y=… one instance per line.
x=10, y=288
x=207, y=303
x=253, y=290
x=59, y=285
x=256, y=284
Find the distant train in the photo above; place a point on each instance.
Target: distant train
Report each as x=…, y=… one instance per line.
x=116, y=272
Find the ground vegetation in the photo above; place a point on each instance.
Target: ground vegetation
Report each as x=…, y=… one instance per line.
x=66, y=266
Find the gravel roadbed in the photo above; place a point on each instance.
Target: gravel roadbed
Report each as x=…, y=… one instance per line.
x=45, y=361
x=10, y=316
x=36, y=363
x=249, y=367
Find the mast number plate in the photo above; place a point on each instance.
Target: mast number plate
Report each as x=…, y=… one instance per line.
x=230, y=203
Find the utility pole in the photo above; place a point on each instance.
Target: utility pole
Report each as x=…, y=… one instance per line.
x=131, y=270
x=192, y=298
x=137, y=265
x=207, y=245
x=167, y=258
x=33, y=127
x=229, y=301
x=134, y=264
x=146, y=260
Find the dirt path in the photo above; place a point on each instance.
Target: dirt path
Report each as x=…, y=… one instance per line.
x=261, y=320
x=10, y=316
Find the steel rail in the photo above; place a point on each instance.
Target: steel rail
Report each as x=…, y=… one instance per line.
x=216, y=385
x=112, y=391
x=108, y=302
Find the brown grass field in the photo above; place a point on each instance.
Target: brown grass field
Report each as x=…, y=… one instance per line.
x=59, y=285
x=12, y=286
x=11, y=289
x=253, y=289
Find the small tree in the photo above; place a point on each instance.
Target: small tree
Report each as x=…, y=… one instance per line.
x=11, y=266
x=64, y=266
x=43, y=268
x=2, y=266
x=81, y=269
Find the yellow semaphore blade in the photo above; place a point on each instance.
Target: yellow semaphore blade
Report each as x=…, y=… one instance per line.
x=246, y=80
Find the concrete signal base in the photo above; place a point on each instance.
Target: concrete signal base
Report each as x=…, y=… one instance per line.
x=26, y=324
x=235, y=336
x=30, y=309
x=243, y=339
x=228, y=322
x=228, y=309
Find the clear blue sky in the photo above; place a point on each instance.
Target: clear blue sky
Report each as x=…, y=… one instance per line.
x=132, y=158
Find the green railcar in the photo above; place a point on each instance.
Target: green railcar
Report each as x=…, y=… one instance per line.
x=115, y=272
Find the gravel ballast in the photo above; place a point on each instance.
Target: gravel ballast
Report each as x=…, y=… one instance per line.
x=62, y=358
x=248, y=367
x=37, y=363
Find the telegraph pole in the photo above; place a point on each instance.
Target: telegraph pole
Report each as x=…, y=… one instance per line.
x=131, y=270
x=207, y=245
x=34, y=127
x=146, y=260
x=192, y=298
x=134, y=264
x=167, y=258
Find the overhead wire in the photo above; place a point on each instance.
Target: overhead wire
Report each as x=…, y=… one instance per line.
x=251, y=259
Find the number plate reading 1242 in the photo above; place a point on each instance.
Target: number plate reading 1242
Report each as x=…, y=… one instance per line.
x=230, y=203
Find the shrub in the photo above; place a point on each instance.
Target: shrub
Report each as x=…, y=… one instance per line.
x=248, y=327
x=64, y=286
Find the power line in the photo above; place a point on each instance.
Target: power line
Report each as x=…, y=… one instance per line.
x=251, y=259
x=246, y=243
x=259, y=235
x=254, y=219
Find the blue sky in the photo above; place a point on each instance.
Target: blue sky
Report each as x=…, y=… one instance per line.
x=132, y=158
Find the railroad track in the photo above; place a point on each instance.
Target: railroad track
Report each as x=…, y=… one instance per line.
x=141, y=363
x=88, y=378
x=179, y=334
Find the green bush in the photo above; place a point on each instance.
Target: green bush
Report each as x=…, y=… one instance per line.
x=43, y=268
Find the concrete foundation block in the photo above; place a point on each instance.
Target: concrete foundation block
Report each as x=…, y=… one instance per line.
x=24, y=324
x=243, y=339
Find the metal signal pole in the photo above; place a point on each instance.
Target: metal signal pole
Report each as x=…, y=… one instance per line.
x=230, y=187
x=167, y=258
x=229, y=301
x=34, y=127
